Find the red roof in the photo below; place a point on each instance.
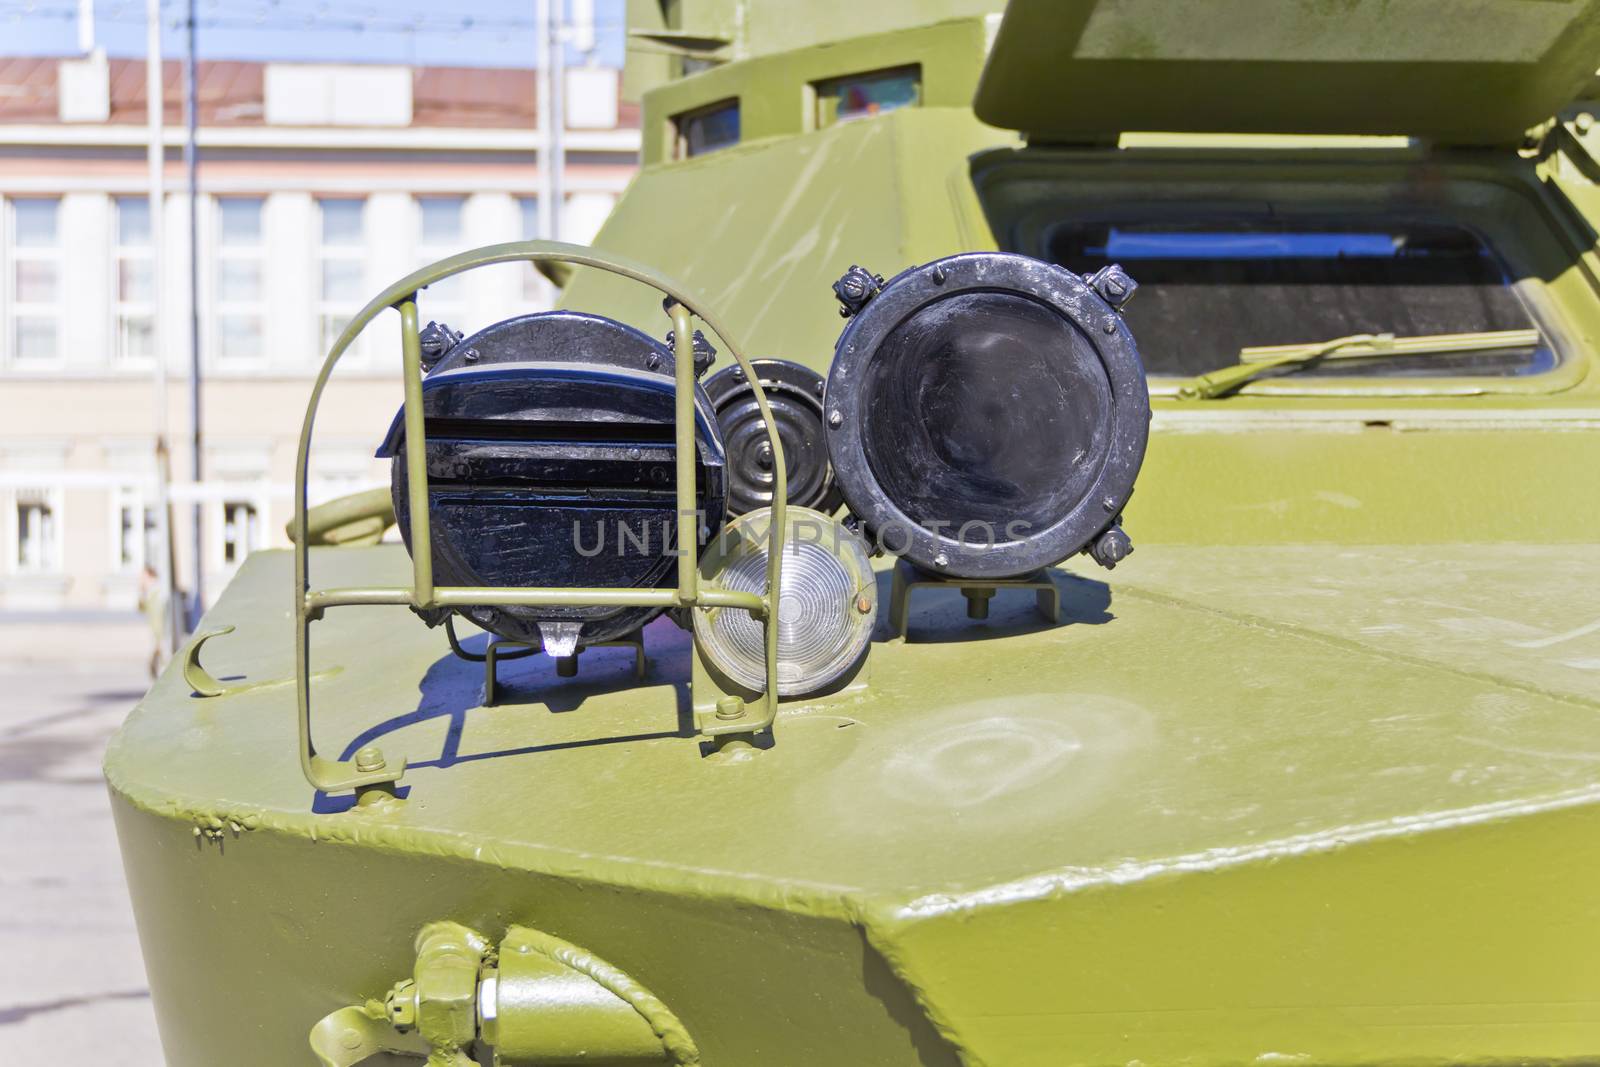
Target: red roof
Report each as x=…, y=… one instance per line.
x=230, y=94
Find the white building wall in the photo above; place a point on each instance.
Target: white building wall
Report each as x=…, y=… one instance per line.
x=585, y=212
x=291, y=281
x=391, y=223
x=493, y=293
x=86, y=282
x=172, y=328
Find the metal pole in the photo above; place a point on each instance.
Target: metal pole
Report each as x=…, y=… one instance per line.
x=416, y=457
x=555, y=146
x=544, y=90
x=684, y=432
x=581, y=28
x=191, y=164
x=86, y=26
x=156, y=159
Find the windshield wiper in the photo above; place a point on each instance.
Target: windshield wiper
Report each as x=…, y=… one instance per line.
x=1256, y=362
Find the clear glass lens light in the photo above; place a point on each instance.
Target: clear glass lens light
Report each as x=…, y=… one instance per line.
x=825, y=613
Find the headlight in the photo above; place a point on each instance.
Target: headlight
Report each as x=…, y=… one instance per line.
x=986, y=413
x=794, y=393
x=828, y=602
x=550, y=463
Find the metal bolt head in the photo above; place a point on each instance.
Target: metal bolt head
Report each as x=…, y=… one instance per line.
x=434, y=340
x=836, y=418
x=1111, y=548
x=863, y=604
x=401, y=1005
x=857, y=286
x=730, y=707
x=370, y=759
x=1115, y=286
x=1584, y=122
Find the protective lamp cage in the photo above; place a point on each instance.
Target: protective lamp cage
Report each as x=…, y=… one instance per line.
x=729, y=710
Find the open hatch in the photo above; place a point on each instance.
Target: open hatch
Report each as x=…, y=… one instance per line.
x=1448, y=71
x=1256, y=242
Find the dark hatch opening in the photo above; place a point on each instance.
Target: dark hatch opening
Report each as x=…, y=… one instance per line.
x=1208, y=288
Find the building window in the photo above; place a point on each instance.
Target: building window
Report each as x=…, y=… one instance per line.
x=240, y=297
x=532, y=280
x=38, y=529
x=706, y=130
x=135, y=282
x=35, y=280
x=240, y=530
x=137, y=532
x=342, y=263
x=861, y=96
x=440, y=233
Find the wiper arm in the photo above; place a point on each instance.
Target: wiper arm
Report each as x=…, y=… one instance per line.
x=1256, y=362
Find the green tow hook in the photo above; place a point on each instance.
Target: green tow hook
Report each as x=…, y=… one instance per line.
x=204, y=684
x=350, y=1035
x=200, y=679
x=534, y=999
x=433, y=1013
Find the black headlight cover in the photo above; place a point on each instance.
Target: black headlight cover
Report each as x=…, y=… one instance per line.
x=987, y=415
x=550, y=464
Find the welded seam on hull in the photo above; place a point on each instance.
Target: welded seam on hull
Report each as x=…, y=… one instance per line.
x=1360, y=420
x=667, y=1027
x=1073, y=879
x=1357, y=647
x=943, y=1025
x=810, y=898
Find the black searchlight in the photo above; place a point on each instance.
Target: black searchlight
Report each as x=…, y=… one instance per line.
x=987, y=413
x=550, y=463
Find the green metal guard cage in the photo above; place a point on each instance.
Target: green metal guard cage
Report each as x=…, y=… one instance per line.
x=331, y=775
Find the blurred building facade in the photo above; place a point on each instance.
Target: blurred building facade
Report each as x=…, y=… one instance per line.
x=318, y=185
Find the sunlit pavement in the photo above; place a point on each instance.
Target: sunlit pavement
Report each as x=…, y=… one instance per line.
x=73, y=989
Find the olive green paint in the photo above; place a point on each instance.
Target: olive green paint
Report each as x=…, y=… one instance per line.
x=724, y=31
x=1317, y=717
x=1473, y=72
x=1312, y=778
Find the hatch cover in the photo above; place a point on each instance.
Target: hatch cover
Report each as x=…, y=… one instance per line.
x=1453, y=71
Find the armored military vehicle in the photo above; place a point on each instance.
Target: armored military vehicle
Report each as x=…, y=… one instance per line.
x=1309, y=778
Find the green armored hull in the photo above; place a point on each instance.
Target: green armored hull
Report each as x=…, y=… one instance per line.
x=1248, y=801
x=1310, y=778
